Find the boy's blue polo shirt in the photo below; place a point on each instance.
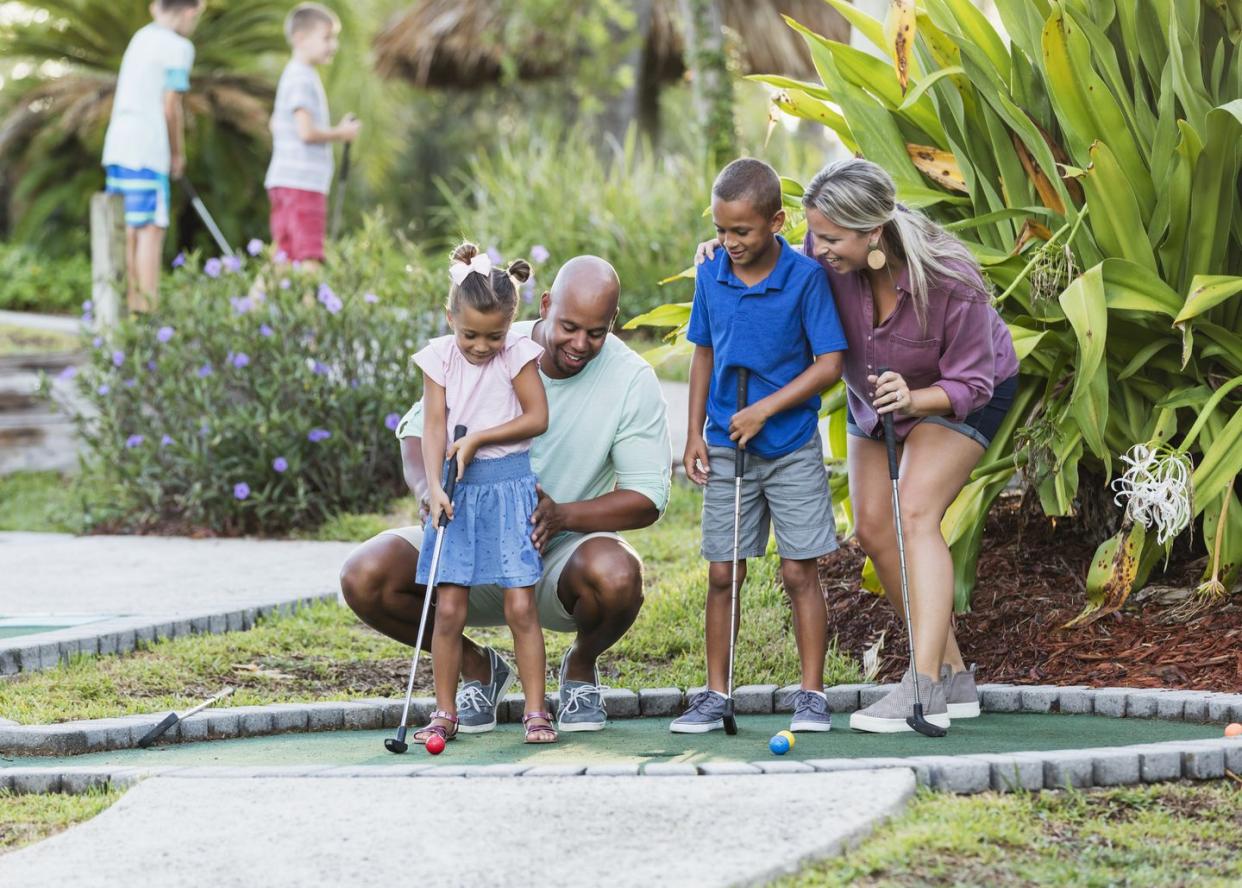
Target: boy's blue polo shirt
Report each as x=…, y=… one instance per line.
x=775, y=329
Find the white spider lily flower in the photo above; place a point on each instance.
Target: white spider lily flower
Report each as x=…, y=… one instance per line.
x=1156, y=489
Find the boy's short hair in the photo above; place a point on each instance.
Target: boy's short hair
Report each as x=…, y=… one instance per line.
x=175, y=5
x=307, y=15
x=753, y=180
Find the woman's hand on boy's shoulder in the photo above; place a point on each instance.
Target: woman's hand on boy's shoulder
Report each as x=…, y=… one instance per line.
x=706, y=251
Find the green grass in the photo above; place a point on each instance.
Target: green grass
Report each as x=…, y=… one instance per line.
x=1166, y=834
x=26, y=341
x=40, y=501
x=29, y=818
x=324, y=652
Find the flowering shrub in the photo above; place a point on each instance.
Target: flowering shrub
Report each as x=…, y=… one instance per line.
x=238, y=408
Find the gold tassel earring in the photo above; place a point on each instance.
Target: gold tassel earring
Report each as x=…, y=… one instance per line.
x=876, y=258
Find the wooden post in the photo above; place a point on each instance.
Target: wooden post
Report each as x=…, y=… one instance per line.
x=108, y=274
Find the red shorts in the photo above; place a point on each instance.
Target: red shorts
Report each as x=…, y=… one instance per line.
x=298, y=220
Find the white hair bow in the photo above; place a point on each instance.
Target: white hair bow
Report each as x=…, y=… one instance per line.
x=480, y=264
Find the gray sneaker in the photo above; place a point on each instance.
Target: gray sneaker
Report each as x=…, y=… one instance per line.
x=581, y=704
x=706, y=713
x=960, y=693
x=476, y=702
x=811, y=711
x=888, y=715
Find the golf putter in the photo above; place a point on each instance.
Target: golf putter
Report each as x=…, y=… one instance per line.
x=915, y=721
x=173, y=718
x=397, y=744
x=201, y=209
x=341, y=178
x=739, y=470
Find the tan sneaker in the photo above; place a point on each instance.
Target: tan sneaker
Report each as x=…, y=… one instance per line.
x=960, y=693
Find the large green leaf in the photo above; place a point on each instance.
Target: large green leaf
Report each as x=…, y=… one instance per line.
x=1206, y=292
x=1221, y=462
x=1116, y=218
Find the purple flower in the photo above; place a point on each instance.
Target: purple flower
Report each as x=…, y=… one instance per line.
x=494, y=255
x=166, y=440
x=118, y=358
x=329, y=299
x=104, y=389
x=370, y=298
x=240, y=360
x=280, y=464
x=151, y=366
x=205, y=371
x=319, y=368
x=539, y=253
x=241, y=304
x=317, y=435
x=178, y=260
x=88, y=307
x=265, y=331
x=391, y=420
x=241, y=490
x=204, y=430
x=284, y=283
x=97, y=341
x=212, y=267
x=163, y=334
x=130, y=383
x=281, y=257
x=68, y=373
x=134, y=441
x=255, y=247
x=232, y=264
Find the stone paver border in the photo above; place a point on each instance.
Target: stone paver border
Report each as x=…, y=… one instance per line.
x=1005, y=772
x=44, y=650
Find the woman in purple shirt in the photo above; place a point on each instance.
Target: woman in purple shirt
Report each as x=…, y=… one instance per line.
x=912, y=299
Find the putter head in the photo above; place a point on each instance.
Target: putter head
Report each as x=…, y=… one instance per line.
x=922, y=725
x=730, y=723
x=397, y=744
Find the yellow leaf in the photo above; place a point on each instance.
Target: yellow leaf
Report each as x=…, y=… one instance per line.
x=899, y=31
x=938, y=165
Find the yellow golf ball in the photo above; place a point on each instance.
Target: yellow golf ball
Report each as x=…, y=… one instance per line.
x=788, y=735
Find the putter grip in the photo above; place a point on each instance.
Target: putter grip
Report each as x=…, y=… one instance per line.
x=450, y=473
x=743, y=382
x=890, y=436
x=155, y=733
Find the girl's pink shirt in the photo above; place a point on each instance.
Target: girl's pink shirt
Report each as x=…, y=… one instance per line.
x=479, y=396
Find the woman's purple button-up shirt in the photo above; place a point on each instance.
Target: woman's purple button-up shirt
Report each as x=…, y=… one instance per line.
x=965, y=349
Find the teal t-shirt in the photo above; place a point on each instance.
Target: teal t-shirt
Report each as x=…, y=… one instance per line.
x=607, y=429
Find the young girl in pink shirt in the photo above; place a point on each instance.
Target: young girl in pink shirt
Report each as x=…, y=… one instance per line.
x=486, y=378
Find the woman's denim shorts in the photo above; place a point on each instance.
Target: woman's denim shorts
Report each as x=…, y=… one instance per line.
x=979, y=426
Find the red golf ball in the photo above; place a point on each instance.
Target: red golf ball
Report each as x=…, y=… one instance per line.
x=435, y=744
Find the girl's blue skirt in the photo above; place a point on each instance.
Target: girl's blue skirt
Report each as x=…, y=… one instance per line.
x=488, y=540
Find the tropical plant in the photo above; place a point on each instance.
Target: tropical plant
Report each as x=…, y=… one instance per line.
x=1091, y=162
x=258, y=398
x=31, y=281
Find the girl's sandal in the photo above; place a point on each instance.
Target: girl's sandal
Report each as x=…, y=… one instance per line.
x=532, y=730
x=421, y=735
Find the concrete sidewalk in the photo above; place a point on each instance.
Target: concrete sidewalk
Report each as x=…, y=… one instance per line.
x=599, y=831
x=142, y=587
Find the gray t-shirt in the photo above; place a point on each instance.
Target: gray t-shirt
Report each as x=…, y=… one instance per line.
x=296, y=164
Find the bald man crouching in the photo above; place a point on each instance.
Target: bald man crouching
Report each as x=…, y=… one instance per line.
x=603, y=466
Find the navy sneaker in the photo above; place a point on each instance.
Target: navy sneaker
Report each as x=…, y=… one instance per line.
x=581, y=704
x=476, y=702
x=811, y=711
x=706, y=713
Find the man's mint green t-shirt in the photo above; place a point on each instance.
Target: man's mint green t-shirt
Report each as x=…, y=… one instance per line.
x=607, y=429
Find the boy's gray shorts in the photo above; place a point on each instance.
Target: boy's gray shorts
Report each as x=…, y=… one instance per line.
x=791, y=492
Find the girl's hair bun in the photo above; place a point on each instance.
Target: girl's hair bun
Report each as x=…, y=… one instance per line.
x=519, y=270
x=465, y=252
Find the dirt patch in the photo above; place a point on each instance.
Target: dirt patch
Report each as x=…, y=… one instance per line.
x=1030, y=583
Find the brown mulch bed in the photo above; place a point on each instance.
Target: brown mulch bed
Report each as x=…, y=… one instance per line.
x=1030, y=584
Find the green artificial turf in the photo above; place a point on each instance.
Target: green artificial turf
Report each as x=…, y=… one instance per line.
x=637, y=741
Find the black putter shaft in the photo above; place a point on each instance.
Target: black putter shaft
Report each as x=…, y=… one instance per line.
x=916, y=720
x=397, y=744
x=739, y=470
x=342, y=177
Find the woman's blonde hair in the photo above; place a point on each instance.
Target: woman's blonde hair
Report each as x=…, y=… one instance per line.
x=860, y=195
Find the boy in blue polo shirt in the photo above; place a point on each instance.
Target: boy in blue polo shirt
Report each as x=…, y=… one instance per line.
x=762, y=306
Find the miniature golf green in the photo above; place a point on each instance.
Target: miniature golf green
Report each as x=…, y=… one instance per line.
x=643, y=740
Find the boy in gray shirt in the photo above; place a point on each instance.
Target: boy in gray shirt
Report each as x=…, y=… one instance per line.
x=300, y=173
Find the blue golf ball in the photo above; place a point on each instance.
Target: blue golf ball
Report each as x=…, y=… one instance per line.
x=778, y=745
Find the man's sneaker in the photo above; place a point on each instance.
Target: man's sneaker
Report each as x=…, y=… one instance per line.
x=706, y=713
x=960, y=693
x=888, y=715
x=476, y=702
x=581, y=704
x=811, y=711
